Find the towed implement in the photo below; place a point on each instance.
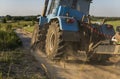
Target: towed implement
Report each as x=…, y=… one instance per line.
x=65, y=24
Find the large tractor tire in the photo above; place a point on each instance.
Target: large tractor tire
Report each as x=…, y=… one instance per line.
x=35, y=35
x=54, y=42
x=42, y=37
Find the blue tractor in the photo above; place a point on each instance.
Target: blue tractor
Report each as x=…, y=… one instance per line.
x=66, y=23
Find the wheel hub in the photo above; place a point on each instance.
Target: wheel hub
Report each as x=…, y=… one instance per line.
x=52, y=41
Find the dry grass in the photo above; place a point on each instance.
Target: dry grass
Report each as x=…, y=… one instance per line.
x=114, y=23
x=19, y=64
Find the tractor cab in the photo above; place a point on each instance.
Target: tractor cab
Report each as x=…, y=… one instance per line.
x=79, y=5
x=53, y=6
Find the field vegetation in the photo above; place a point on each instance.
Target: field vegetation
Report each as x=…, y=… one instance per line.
x=19, y=24
x=23, y=22
x=8, y=39
x=19, y=64
x=115, y=21
x=16, y=62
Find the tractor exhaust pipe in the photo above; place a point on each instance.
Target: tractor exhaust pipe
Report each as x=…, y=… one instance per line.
x=45, y=7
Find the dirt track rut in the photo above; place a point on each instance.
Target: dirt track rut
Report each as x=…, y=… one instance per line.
x=73, y=69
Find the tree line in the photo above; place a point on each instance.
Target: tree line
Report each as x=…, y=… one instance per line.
x=94, y=18
x=7, y=18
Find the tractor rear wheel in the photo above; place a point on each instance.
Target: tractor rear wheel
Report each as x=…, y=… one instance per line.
x=54, y=43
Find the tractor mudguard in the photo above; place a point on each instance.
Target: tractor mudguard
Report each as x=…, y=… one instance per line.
x=42, y=20
x=107, y=29
x=66, y=23
x=70, y=29
x=72, y=25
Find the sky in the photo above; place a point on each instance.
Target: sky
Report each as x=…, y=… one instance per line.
x=21, y=7
x=105, y=8
x=35, y=7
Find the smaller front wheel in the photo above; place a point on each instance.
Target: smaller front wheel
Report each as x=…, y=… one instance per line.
x=35, y=33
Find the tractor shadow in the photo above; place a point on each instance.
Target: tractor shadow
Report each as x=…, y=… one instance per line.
x=94, y=63
x=108, y=66
x=26, y=39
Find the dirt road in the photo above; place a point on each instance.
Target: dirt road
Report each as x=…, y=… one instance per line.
x=73, y=69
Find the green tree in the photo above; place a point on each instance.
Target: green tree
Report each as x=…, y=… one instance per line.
x=3, y=20
x=9, y=28
x=0, y=26
x=8, y=17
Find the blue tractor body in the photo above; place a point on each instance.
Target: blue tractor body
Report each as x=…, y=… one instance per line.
x=62, y=7
x=61, y=17
x=59, y=12
x=67, y=22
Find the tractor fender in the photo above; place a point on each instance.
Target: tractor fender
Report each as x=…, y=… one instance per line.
x=42, y=21
x=64, y=25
